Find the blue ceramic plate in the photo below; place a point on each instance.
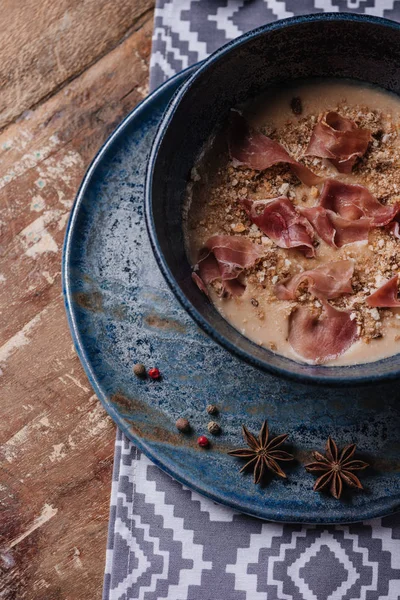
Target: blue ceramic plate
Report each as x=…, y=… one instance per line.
x=121, y=311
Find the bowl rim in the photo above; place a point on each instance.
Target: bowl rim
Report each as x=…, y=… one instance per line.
x=306, y=378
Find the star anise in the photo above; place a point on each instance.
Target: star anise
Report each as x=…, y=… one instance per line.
x=262, y=452
x=336, y=468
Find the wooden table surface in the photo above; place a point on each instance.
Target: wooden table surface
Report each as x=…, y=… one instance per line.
x=69, y=72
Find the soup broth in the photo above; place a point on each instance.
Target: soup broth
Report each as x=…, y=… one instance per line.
x=222, y=191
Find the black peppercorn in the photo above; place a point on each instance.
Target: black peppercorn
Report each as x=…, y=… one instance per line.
x=182, y=425
x=296, y=105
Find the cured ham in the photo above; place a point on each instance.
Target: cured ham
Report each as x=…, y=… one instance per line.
x=334, y=229
x=354, y=202
x=321, y=338
x=327, y=281
x=280, y=221
x=345, y=213
x=233, y=254
x=386, y=295
x=224, y=258
x=348, y=231
x=257, y=151
x=319, y=219
x=340, y=140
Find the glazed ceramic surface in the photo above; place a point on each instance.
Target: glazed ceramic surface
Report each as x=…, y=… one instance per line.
x=121, y=311
x=331, y=45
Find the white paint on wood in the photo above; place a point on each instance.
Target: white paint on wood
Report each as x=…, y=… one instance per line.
x=12, y=445
x=7, y=559
x=48, y=277
x=71, y=442
x=58, y=453
x=62, y=221
x=37, y=204
x=67, y=202
x=35, y=238
x=98, y=420
x=29, y=160
x=60, y=169
x=44, y=421
x=48, y=512
x=93, y=423
x=21, y=338
x=76, y=559
x=77, y=383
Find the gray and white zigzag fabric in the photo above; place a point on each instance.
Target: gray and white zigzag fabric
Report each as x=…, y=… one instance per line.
x=186, y=31
x=166, y=541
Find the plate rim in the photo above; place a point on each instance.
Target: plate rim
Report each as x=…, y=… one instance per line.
x=285, y=515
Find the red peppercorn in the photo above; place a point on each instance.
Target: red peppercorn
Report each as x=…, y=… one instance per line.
x=203, y=441
x=154, y=373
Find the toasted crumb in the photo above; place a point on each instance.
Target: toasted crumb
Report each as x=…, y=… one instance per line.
x=238, y=228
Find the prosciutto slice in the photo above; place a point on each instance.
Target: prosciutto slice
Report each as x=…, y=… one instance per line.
x=340, y=140
x=255, y=150
x=279, y=220
x=386, y=295
x=345, y=213
x=223, y=258
x=318, y=339
x=319, y=219
x=348, y=231
x=327, y=281
x=354, y=202
x=334, y=229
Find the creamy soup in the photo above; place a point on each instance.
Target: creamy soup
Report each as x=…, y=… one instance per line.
x=221, y=192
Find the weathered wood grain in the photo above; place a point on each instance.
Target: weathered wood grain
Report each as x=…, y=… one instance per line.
x=57, y=441
x=43, y=159
x=45, y=43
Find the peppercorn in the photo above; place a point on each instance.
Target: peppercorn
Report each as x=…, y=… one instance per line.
x=203, y=441
x=154, y=373
x=182, y=425
x=213, y=428
x=296, y=105
x=212, y=409
x=139, y=370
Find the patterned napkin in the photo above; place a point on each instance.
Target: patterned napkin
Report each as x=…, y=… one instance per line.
x=166, y=541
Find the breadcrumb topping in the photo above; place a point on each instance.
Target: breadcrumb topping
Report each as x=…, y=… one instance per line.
x=217, y=208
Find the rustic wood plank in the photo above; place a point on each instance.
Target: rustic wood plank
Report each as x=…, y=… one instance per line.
x=45, y=43
x=57, y=441
x=43, y=160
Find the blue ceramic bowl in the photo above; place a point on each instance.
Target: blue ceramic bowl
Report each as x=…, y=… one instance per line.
x=334, y=45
